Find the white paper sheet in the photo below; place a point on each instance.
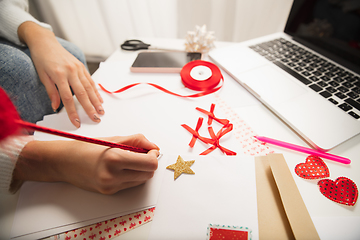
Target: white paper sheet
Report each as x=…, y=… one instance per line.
x=158, y=116
x=222, y=191
x=49, y=208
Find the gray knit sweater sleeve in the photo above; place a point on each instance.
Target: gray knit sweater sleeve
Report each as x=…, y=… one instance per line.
x=10, y=149
x=12, y=14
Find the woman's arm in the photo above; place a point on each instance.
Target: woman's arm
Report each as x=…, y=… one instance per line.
x=12, y=14
x=88, y=166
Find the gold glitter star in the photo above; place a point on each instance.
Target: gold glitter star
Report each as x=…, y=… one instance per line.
x=181, y=166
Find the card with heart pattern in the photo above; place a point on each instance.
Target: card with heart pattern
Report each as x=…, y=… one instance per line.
x=343, y=190
x=313, y=168
x=219, y=232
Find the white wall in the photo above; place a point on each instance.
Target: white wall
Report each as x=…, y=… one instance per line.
x=98, y=27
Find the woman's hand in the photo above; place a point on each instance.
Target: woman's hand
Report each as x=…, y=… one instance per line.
x=88, y=166
x=59, y=70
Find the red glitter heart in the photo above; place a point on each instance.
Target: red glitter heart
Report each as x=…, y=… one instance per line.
x=313, y=168
x=343, y=190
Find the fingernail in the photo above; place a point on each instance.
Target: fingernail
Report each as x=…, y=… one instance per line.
x=96, y=118
x=100, y=110
x=54, y=107
x=77, y=123
x=157, y=147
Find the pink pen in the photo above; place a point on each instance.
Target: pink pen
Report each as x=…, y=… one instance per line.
x=304, y=150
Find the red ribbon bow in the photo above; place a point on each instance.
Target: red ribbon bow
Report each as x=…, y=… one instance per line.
x=195, y=133
x=211, y=115
x=216, y=138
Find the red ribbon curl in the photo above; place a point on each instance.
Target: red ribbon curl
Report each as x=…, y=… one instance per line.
x=207, y=86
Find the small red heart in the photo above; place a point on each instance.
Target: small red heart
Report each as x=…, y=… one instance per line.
x=313, y=168
x=130, y=219
x=343, y=190
x=124, y=229
x=139, y=222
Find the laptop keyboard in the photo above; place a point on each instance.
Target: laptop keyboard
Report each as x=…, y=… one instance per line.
x=334, y=83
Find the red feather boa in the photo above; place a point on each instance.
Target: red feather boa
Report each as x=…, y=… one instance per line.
x=8, y=115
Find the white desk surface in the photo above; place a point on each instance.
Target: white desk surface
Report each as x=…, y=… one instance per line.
x=264, y=123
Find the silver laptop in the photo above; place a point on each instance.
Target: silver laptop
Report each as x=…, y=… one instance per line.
x=309, y=74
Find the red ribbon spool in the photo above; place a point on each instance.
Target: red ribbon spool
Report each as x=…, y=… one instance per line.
x=200, y=85
x=206, y=86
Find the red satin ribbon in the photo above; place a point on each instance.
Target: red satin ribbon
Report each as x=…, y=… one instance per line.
x=198, y=125
x=212, y=116
x=196, y=134
x=215, y=138
x=206, y=86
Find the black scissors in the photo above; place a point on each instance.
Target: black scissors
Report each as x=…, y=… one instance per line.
x=134, y=44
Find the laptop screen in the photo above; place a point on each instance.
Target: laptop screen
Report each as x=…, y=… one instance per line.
x=330, y=27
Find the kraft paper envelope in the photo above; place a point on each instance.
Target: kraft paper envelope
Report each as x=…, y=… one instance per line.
x=282, y=213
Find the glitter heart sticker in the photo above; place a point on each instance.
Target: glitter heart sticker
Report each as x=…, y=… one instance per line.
x=343, y=190
x=313, y=168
